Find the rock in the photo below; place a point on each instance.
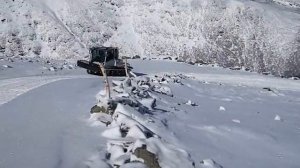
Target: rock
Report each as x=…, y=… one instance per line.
x=268, y=89
x=71, y=66
x=221, y=108
x=191, y=63
x=235, y=68
x=10, y=60
x=209, y=163
x=136, y=57
x=277, y=118
x=127, y=101
x=102, y=117
x=150, y=103
x=167, y=58
x=112, y=105
x=236, y=121
x=136, y=132
x=134, y=165
x=201, y=62
x=163, y=90
x=191, y=103
x=52, y=69
x=123, y=130
x=64, y=67
x=97, y=109
x=7, y=66
x=294, y=78
x=266, y=73
x=125, y=57
x=2, y=49
x=150, y=159
x=127, y=83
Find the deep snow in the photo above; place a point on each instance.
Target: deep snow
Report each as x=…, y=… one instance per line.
x=230, y=118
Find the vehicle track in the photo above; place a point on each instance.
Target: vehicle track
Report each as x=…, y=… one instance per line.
x=12, y=88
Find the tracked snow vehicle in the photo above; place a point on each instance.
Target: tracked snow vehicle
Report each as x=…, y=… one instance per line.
x=109, y=57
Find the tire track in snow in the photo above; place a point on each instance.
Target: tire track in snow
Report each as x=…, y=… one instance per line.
x=252, y=81
x=12, y=88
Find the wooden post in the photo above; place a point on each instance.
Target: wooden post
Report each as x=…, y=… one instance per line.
x=126, y=68
x=107, y=86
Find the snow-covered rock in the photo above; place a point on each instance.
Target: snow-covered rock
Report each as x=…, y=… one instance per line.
x=236, y=121
x=52, y=68
x=221, y=108
x=209, y=163
x=189, y=102
x=7, y=66
x=277, y=118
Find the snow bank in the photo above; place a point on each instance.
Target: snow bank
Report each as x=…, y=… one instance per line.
x=134, y=135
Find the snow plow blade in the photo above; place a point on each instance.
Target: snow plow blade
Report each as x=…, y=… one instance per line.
x=93, y=68
x=88, y=65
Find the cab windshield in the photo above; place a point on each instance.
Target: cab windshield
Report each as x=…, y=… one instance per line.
x=98, y=55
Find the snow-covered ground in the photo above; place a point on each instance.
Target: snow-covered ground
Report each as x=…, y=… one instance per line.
x=207, y=115
x=262, y=35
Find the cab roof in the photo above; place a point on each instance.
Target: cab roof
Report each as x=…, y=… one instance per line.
x=104, y=48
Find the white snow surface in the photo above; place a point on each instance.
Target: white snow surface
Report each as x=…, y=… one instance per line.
x=46, y=123
x=12, y=88
x=46, y=126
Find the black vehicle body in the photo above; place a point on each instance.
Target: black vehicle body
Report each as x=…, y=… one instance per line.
x=109, y=57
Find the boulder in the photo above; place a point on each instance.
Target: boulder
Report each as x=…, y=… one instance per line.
x=136, y=57
x=97, y=109
x=150, y=159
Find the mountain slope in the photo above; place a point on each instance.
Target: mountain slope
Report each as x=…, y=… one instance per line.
x=260, y=35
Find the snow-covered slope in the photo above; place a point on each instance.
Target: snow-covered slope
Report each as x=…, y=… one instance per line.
x=262, y=35
x=53, y=29
x=288, y=3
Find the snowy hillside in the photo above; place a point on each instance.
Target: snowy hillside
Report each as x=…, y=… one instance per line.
x=260, y=35
x=176, y=114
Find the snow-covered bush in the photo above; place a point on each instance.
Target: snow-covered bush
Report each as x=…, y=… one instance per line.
x=37, y=49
